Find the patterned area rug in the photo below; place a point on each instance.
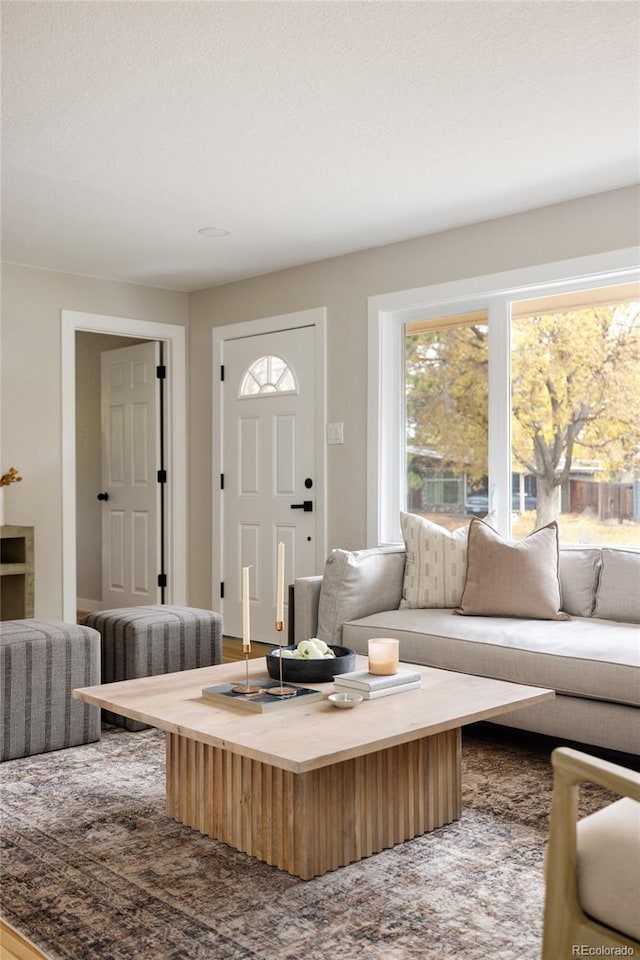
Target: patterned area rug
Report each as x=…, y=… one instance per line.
x=93, y=870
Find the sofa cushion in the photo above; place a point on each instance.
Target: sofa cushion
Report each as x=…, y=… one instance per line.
x=608, y=848
x=582, y=657
x=512, y=579
x=358, y=583
x=618, y=596
x=579, y=569
x=435, y=565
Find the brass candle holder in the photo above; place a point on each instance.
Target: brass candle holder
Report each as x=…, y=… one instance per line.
x=281, y=691
x=246, y=687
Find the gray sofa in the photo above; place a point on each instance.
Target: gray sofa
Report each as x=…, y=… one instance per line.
x=592, y=662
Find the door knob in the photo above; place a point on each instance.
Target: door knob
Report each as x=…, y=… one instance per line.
x=103, y=496
x=307, y=506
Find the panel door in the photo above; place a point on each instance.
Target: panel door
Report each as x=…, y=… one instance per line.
x=130, y=459
x=269, y=471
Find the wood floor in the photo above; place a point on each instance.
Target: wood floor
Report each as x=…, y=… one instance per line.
x=232, y=650
x=15, y=947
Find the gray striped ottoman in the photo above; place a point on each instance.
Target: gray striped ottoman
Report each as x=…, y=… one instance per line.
x=41, y=661
x=148, y=641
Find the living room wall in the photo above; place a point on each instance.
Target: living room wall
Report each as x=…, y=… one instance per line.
x=591, y=225
x=31, y=395
x=30, y=370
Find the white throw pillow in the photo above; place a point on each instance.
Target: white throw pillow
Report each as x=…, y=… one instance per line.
x=436, y=563
x=618, y=596
x=357, y=584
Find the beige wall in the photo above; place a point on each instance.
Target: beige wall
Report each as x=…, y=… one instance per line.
x=32, y=300
x=577, y=228
x=31, y=390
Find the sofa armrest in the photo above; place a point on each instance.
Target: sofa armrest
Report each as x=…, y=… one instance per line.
x=305, y=609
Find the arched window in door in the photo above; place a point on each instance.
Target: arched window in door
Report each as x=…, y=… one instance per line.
x=268, y=374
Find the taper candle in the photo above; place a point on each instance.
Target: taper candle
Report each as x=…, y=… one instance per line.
x=280, y=585
x=246, y=619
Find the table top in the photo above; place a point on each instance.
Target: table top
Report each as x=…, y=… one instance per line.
x=302, y=737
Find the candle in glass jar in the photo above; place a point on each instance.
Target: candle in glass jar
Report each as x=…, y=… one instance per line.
x=384, y=656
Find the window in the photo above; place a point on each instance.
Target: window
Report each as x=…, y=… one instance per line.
x=539, y=422
x=575, y=413
x=269, y=374
x=446, y=415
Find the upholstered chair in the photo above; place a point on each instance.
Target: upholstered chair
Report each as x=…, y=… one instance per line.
x=593, y=864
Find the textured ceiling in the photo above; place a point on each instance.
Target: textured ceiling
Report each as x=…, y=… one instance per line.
x=306, y=129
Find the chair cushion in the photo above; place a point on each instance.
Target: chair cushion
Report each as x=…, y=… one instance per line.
x=609, y=866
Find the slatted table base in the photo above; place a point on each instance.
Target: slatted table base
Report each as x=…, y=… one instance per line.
x=308, y=824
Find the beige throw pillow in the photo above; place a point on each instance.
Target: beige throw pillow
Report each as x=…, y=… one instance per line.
x=512, y=579
x=357, y=584
x=435, y=565
x=579, y=569
x=618, y=596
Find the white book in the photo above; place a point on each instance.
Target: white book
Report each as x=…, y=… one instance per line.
x=363, y=680
x=387, y=691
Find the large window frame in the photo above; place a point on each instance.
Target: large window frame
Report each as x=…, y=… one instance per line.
x=387, y=316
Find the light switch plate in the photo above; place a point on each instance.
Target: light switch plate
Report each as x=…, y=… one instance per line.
x=335, y=433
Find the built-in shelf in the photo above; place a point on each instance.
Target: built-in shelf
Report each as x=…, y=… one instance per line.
x=16, y=573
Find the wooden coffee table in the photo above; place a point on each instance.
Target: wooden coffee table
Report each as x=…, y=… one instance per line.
x=308, y=788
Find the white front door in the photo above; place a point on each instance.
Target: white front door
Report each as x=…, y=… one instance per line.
x=130, y=491
x=269, y=468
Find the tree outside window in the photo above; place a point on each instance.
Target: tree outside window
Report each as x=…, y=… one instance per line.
x=575, y=415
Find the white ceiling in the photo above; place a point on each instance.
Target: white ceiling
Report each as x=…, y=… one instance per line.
x=307, y=129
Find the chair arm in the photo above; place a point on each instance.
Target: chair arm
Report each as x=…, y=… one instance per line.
x=573, y=767
x=305, y=607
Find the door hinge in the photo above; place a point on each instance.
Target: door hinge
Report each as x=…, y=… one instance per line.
x=161, y=372
x=222, y=481
x=162, y=579
x=222, y=371
x=222, y=589
x=162, y=476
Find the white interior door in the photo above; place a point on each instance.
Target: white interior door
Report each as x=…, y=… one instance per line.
x=130, y=491
x=269, y=468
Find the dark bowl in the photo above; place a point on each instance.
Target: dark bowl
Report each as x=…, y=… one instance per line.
x=311, y=671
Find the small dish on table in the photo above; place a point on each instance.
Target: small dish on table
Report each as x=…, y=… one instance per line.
x=344, y=701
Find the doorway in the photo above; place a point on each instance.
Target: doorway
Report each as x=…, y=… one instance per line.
x=119, y=503
x=173, y=339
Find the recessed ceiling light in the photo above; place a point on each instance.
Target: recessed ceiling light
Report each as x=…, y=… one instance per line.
x=214, y=232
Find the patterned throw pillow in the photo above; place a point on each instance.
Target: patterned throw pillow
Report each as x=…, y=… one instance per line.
x=435, y=565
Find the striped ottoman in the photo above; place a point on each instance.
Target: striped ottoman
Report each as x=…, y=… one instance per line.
x=41, y=661
x=148, y=641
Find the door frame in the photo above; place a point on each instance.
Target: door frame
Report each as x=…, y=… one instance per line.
x=174, y=339
x=315, y=317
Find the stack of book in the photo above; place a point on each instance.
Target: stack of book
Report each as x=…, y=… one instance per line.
x=371, y=685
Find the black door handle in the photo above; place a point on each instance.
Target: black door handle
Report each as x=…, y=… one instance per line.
x=103, y=496
x=307, y=506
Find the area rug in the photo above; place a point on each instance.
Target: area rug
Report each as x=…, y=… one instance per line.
x=92, y=869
